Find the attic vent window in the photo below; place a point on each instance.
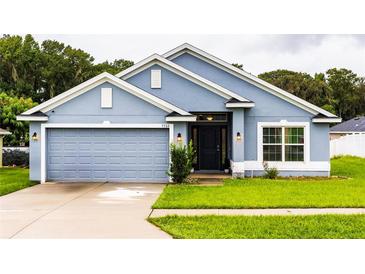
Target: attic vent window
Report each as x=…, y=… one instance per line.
x=155, y=78
x=106, y=98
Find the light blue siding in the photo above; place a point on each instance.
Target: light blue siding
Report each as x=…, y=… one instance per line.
x=113, y=155
x=181, y=127
x=179, y=91
x=127, y=108
x=268, y=108
x=238, y=125
x=35, y=152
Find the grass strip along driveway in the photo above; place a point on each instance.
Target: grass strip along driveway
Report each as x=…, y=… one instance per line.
x=264, y=227
x=13, y=179
x=280, y=193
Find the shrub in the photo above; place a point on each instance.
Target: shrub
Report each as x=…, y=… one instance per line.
x=15, y=157
x=270, y=172
x=182, y=157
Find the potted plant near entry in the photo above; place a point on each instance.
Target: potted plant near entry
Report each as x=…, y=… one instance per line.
x=226, y=166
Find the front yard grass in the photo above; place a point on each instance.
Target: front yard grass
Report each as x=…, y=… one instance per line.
x=280, y=193
x=13, y=179
x=264, y=227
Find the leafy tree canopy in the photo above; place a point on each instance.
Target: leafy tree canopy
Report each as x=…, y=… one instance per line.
x=10, y=107
x=339, y=91
x=43, y=71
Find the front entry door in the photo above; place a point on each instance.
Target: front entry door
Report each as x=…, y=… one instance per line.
x=209, y=147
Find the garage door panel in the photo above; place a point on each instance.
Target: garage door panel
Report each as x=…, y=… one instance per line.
x=138, y=155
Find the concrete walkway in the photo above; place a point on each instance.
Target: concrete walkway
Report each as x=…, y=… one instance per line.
x=74, y=210
x=256, y=212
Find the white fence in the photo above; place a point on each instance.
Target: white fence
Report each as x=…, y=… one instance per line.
x=353, y=144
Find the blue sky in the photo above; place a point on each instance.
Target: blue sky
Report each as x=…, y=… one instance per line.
x=257, y=53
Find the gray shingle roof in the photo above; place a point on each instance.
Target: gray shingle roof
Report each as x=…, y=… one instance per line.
x=356, y=124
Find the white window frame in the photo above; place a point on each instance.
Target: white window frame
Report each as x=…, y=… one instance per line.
x=156, y=81
x=43, y=137
x=106, y=98
x=283, y=124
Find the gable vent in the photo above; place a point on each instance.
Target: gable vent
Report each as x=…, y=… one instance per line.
x=106, y=98
x=155, y=78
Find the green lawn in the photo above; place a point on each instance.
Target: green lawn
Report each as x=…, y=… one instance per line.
x=264, y=227
x=13, y=179
x=280, y=193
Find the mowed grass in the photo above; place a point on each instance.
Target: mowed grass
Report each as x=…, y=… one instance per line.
x=264, y=227
x=280, y=193
x=13, y=179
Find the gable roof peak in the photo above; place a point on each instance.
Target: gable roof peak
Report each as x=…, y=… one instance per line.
x=246, y=76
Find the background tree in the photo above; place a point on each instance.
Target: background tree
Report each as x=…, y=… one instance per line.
x=10, y=107
x=312, y=89
x=346, y=93
x=41, y=72
x=240, y=66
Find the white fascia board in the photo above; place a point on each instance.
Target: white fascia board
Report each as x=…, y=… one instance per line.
x=32, y=118
x=94, y=82
x=240, y=105
x=181, y=119
x=347, y=132
x=195, y=78
x=104, y=125
x=327, y=120
x=247, y=77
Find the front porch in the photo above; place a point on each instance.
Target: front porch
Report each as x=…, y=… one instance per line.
x=218, y=140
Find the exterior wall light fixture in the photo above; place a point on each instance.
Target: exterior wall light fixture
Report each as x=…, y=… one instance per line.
x=35, y=136
x=238, y=136
x=179, y=138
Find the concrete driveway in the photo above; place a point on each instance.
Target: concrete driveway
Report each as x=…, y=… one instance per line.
x=75, y=210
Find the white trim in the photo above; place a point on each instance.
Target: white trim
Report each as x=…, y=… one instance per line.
x=245, y=76
x=327, y=120
x=181, y=119
x=156, y=59
x=238, y=167
x=106, y=98
x=290, y=166
x=90, y=125
x=97, y=80
x=240, y=105
x=283, y=124
x=155, y=78
x=32, y=118
x=347, y=132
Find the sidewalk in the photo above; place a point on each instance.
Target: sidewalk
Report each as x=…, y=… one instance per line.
x=256, y=212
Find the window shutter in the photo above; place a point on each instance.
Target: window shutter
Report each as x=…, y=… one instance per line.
x=155, y=78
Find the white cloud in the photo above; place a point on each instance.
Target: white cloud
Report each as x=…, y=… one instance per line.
x=257, y=53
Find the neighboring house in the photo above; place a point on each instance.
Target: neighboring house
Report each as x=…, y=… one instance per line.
x=3, y=132
x=118, y=128
x=350, y=127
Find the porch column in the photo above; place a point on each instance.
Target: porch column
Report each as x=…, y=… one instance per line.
x=237, y=161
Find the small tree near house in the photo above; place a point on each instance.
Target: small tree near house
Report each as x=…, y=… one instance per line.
x=182, y=157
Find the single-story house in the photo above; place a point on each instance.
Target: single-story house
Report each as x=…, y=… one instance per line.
x=351, y=127
x=119, y=127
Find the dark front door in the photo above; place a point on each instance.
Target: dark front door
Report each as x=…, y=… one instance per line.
x=209, y=147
